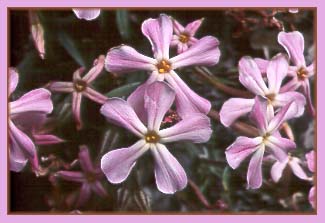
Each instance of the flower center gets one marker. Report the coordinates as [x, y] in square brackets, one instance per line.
[266, 137]
[152, 137]
[270, 98]
[80, 85]
[164, 66]
[302, 73]
[184, 38]
[90, 177]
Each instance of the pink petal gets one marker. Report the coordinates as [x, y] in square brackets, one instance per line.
[311, 69]
[59, 86]
[38, 100]
[181, 48]
[276, 71]
[159, 32]
[16, 165]
[240, 149]
[124, 59]
[158, 99]
[76, 104]
[117, 164]
[204, 52]
[84, 194]
[293, 42]
[250, 76]
[13, 79]
[287, 97]
[277, 170]
[259, 113]
[46, 139]
[291, 85]
[261, 64]
[234, 108]
[95, 95]
[310, 157]
[95, 70]
[312, 196]
[254, 173]
[73, 176]
[87, 14]
[170, 175]
[98, 188]
[192, 27]
[306, 89]
[195, 128]
[178, 28]
[279, 146]
[297, 169]
[37, 32]
[121, 113]
[187, 101]
[85, 160]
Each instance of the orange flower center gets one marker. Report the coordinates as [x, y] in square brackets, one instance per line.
[302, 73]
[164, 66]
[184, 38]
[79, 85]
[152, 137]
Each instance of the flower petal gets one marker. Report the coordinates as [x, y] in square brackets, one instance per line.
[312, 196]
[204, 52]
[277, 170]
[259, 113]
[76, 104]
[293, 42]
[121, 113]
[234, 108]
[187, 101]
[15, 164]
[46, 139]
[87, 14]
[262, 64]
[158, 99]
[195, 128]
[254, 173]
[250, 76]
[240, 149]
[95, 70]
[276, 71]
[74, 176]
[170, 175]
[38, 100]
[192, 27]
[124, 59]
[85, 160]
[95, 95]
[117, 164]
[98, 188]
[60, 86]
[297, 169]
[306, 90]
[84, 194]
[13, 79]
[287, 97]
[310, 157]
[159, 32]
[279, 147]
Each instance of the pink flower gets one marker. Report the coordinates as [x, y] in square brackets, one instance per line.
[269, 140]
[21, 147]
[250, 76]
[184, 36]
[89, 177]
[87, 14]
[81, 87]
[311, 166]
[124, 59]
[158, 98]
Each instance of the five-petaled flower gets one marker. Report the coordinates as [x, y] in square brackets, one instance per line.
[158, 98]
[183, 37]
[123, 59]
[86, 13]
[269, 140]
[90, 177]
[251, 77]
[33, 103]
[310, 157]
[81, 87]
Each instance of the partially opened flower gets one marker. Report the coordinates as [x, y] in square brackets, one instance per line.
[269, 140]
[90, 177]
[250, 76]
[158, 98]
[311, 166]
[183, 37]
[21, 147]
[80, 86]
[159, 32]
[87, 14]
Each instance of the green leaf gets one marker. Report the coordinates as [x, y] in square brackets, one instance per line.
[68, 44]
[123, 23]
[124, 90]
[226, 178]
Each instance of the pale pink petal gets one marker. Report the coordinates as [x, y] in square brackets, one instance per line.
[254, 173]
[121, 113]
[250, 76]
[59, 86]
[293, 42]
[87, 14]
[194, 128]
[291, 85]
[16, 165]
[125, 59]
[192, 27]
[204, 52]
[240, 149]
[311, 69]
[187, 101]
[297, 169]
[283, 99]
[117, 164]
[94, 95]
[76, 104]
[276, 71]
[279, 146]
[158, 99]
[307, 92]
[259, 113]
[159, 32]
[46, 139]
[312, 196]
[277, 170]
[170, 175]
[38, 100]
[310, 157]
[95, 70]
[181, 47]
[98, 188]
[85, 160]
[262, 64]
[13, 79]
[84, 194]
[178, 28]
[74, 176]
[37, 32]
[234, 108]
[175, 41]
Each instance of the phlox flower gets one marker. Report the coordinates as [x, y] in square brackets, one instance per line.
[158, 98]
[269, 140]
[310, 157]
[80, 86]
[251, 77]
[159, 32]
[87, 14]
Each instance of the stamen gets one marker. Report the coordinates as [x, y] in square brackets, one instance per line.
[164, 66]
[152, 137]
[302, 73]
[79, 85]
[184, 38]
[270, 98]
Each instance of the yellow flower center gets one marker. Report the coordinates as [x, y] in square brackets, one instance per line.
[184, 38]
[302, 73]
[270, 98]
[266, 137]
[79, 85]
[164, 66]
[152, 137]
